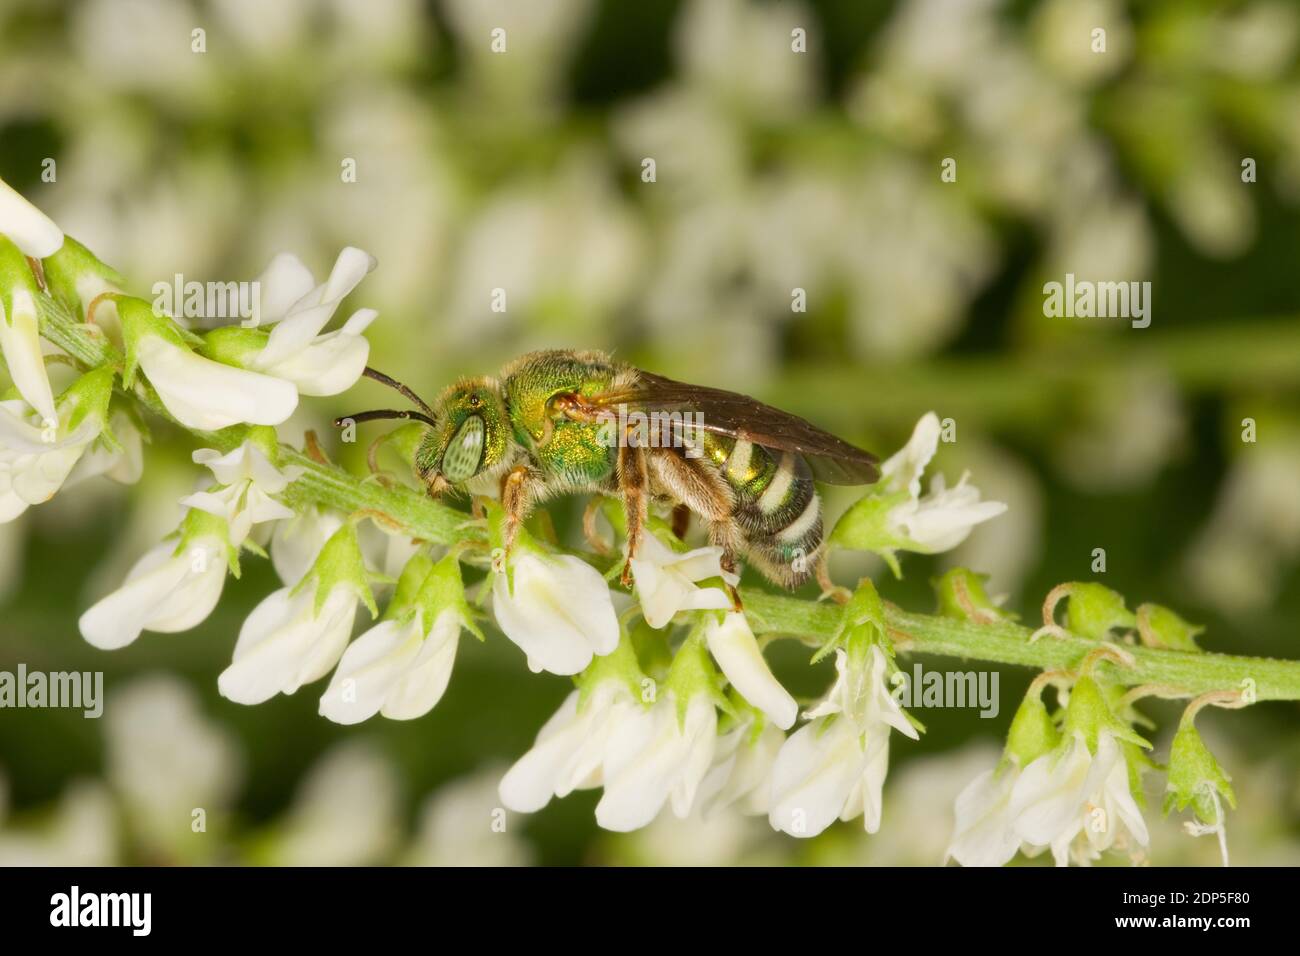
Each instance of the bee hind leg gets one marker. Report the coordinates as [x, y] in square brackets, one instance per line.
[634, 485]
[725, 535]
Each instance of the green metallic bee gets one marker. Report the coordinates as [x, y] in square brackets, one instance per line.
[565, 422]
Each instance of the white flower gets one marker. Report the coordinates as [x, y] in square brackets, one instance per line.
[124, 464]
[942, 519]
[394, 669]
[33, 469]
[665, 580]
[295, 350]
[287, 642]
[207, 395]
[296, 542]
[569, 751]
[559, 612]
[246, 479]
[655, 756]
[30, 229]
[741, 771]
[20, 341]
[1072, 791]
[172, 588]
[984, 834]
[835, 765]
[733, 646]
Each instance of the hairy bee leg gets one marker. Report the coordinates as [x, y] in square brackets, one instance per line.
[634, 485]
[681, 521]
[589, 529]
[725, 535]
[728, 564]
[516, 499]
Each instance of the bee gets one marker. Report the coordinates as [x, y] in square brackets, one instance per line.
[564, 422]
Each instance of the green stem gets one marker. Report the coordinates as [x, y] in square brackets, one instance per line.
[1008, 643]
[1001, 643]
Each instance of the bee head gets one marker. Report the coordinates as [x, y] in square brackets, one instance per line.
[466, 434]
[469, 437]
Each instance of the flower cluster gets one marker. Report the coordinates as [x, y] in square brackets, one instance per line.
[674, 704]
[229, 376]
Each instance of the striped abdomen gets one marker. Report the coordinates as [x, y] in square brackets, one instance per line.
[776, 506]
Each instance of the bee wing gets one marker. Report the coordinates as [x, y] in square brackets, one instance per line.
[832, 460]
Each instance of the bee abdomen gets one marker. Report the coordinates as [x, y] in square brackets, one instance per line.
[776, 508]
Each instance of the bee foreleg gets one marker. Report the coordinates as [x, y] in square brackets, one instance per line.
[634, 486]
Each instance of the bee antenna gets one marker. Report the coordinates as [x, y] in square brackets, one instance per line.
[393, 383]
[379, 413]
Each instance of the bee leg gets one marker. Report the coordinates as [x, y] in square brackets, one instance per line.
[681, 521]
[728, 564]
[516, 498]
[634, 485]
[724, 534]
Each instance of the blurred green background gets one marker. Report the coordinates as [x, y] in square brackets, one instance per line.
[774, 171]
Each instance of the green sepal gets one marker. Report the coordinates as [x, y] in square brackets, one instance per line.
[139, 321]
[232, 344]
[402, 604]
[443, 588]
[962, 595]
[340, 564]
[200, 524]
[88, 396]
[15, 273]
[264, 438]
[1095, 610]
[1090, 714]
[1032, 732]
[1160, 627]
[692, 672]
[1194, 775]
[1138, 762]
[70, 263]
[865, 527]
[619, 665]
[862, 623]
